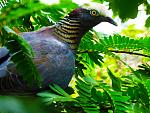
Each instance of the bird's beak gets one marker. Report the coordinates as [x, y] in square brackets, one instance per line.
[111, 21]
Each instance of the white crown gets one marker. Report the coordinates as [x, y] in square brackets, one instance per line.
[102, 9]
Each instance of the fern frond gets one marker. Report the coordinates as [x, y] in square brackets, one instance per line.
[119, 102]
[146, 42]
[14, 10]
[117, 44]
[137, 87]
[84, 90]
[61, 95]
[3, 3]
[116, 82]
[122, 43]
[147, 86]
[144, 71]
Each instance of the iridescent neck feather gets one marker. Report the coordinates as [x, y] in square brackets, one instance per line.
[69, 30]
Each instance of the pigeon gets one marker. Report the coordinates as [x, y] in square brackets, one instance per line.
[55, 48]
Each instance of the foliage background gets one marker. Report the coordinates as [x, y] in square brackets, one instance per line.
[105, 81]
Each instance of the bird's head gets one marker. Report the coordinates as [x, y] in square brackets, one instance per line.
[91, 14]
[72, 27]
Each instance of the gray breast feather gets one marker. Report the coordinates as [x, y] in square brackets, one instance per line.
[55, 61]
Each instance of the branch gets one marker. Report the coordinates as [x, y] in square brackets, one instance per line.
[115, 51]
[87, 51]
[131, 53]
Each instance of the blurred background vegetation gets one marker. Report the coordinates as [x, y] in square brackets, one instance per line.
[112, 70]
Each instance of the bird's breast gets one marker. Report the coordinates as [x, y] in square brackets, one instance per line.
[55, 61]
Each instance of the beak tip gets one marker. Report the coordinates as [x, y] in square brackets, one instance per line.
[111, 21]
[115, 24]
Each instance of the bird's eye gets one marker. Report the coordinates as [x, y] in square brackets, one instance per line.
[94, 13]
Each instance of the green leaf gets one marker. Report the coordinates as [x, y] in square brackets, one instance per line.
[49, 97]
[116, 83]
[119, 7]
[94, 56]
[14, 10]
[59, 90]
[12, 104]
[147, 22]
[90, 80]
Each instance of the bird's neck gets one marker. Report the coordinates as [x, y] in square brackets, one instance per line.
[69, 30]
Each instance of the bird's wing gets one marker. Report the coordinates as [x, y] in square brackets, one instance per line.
[9, 77]
[4, 56]
[8, 80]
[53, 59]
[4, 61]
[3, 52]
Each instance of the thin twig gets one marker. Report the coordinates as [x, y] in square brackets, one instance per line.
[131, 53]
[115, 51]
